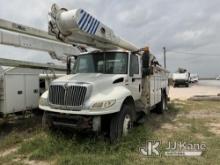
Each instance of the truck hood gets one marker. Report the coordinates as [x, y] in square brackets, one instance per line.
[91, 78]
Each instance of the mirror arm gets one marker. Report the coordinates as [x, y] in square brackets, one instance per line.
[68, 65]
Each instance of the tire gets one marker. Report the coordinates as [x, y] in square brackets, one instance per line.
[37, 112]
[121, 123]
[161, 107]
[46, 122]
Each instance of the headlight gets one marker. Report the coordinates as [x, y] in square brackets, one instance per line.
[103, 104]
[43, 101]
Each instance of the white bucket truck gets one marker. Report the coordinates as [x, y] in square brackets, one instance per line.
[106, 89]
[182, 77]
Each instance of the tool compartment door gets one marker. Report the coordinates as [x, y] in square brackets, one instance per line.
[32, 91]
[157, 89]
[152, 90]
[15, 93]
[2, 96]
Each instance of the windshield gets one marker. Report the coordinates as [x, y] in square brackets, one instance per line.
[108, 63]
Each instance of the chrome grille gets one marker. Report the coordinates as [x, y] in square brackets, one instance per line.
[71, 96]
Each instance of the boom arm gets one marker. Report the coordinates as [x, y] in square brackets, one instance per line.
[32, 65]
[25, 37]
[78, 26]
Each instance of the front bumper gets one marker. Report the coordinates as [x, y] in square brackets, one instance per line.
[115, 108]
[180, 82]
[78, 122]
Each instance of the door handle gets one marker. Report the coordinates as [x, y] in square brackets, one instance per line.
[35, 91]
[133, 79]
[20, 92]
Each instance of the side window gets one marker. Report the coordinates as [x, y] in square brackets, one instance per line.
[83, 65]
[134, 65]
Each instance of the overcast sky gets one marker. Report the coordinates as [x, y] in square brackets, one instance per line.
[190, 29]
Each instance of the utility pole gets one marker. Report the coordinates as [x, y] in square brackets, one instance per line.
[164, 57]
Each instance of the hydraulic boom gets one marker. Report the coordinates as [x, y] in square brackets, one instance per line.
[78, 26]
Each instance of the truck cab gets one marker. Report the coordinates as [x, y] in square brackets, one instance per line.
[97, 80]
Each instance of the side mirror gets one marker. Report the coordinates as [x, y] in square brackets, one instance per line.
[68, 65]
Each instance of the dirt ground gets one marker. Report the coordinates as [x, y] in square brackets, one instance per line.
[201, 88]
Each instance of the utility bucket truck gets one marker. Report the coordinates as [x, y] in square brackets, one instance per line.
[109, 88]
[181, 77]
[21, 87]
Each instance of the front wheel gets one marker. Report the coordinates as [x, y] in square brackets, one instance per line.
[46, 121]
[121, 123]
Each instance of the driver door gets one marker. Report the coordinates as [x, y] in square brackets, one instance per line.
[135, 76]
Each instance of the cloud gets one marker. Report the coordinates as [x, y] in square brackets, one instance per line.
[187, 25]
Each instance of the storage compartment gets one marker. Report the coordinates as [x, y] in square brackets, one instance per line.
[20, 93]
[32, 91]
[1, 95]
[14, 93]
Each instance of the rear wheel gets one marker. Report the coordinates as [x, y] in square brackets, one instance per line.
[121, 123]
[162, 105]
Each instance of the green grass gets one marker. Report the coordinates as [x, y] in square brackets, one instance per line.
[12, 140]
[91, 149]
[64, 148]
[14, 132]
[10, 160]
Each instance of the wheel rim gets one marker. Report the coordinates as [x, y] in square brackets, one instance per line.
[127, 124]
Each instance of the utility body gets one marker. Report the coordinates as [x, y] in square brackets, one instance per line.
[31, 82]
